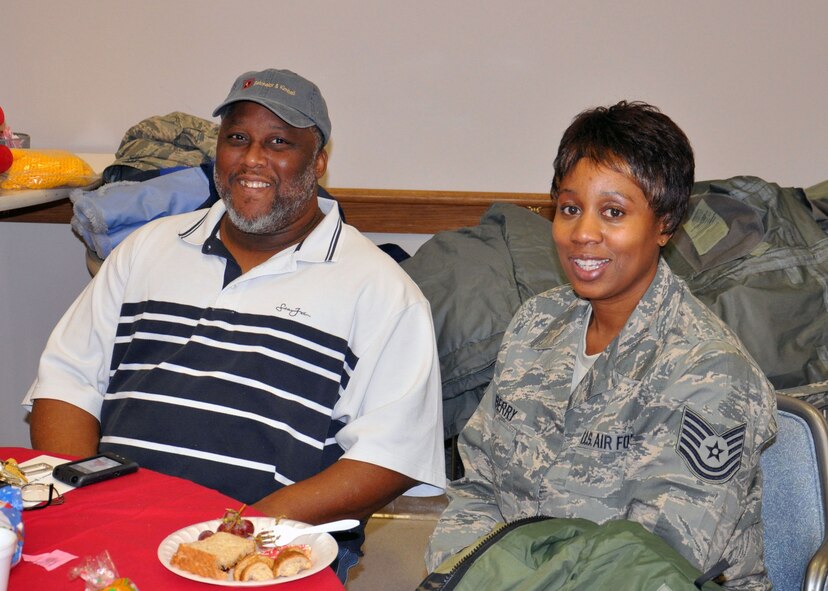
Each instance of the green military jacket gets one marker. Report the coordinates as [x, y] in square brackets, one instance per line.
[546, 554]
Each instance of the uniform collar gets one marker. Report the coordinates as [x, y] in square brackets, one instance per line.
[631, 352]
[653, 314]
[567, 325]
[321, 245]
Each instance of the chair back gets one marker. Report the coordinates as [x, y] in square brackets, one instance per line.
[794, 502]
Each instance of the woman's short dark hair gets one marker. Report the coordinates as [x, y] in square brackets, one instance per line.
[637, 140]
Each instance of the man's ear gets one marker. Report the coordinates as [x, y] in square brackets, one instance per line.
[320, 165]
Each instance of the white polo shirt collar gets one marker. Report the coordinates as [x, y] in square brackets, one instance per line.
[321, 245]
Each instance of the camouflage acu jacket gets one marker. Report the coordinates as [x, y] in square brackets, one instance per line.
[665, 429]
[164, 141]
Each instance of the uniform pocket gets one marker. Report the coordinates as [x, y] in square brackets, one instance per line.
[502, 443]
[689, 524]
[595, 473]
[517, 471]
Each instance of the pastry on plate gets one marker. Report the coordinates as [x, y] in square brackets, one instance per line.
[290, 561]
[254, 567]
[213, 556]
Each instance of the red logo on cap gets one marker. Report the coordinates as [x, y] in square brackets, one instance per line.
[248, 83]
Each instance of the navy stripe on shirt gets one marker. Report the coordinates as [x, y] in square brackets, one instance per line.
[224, 387]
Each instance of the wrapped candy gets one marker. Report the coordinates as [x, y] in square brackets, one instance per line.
[46, 169]
[100, 574]
[120, 585]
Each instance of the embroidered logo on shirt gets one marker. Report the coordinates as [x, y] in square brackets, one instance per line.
[711, 456]
[291, 311]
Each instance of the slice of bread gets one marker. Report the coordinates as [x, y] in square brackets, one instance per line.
[212, 557]
[254, 567]
[290, 561]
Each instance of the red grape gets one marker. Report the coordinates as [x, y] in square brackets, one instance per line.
[247, 528]
[233, 523]
[205, 534]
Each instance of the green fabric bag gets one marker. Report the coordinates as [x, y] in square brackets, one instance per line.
[754, 253]
[542, 553]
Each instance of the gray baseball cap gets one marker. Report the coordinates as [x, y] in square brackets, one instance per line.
[296, 100]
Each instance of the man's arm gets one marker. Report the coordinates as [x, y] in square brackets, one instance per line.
[60, 427]
[347, 489]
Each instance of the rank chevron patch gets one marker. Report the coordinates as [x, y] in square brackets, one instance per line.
[711, 456]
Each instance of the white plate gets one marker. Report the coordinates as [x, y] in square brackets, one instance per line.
[323, 551]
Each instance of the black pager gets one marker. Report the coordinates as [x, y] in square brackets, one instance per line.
[103, 466]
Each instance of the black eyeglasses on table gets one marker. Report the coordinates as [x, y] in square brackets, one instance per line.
[40, 493]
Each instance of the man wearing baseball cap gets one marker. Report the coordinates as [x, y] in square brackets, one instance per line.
[298, 102]
[260, 347]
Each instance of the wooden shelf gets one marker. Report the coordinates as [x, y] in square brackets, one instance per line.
[369, 210]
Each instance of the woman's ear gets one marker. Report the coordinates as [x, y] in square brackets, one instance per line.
[664, 236]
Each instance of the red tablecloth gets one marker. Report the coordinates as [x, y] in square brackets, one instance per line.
[128, 516]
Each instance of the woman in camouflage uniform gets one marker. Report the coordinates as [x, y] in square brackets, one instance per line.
[620, 396]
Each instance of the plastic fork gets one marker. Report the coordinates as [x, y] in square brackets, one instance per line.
[283, 534]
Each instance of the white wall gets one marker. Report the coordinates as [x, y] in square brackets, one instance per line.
[467, 95]
[434, 94]
[41, 272]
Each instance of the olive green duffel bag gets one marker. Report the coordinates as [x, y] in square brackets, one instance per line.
[542, 553]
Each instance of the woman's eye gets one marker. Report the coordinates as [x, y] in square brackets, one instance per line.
[569, 210]
[614, 212]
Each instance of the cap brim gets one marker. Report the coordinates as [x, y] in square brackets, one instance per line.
[287, 114]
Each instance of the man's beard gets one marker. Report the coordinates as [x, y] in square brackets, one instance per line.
[290, 200]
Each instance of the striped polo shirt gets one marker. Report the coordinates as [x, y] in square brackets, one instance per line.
[249, 382]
